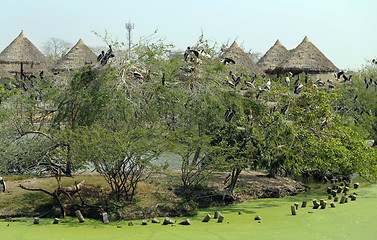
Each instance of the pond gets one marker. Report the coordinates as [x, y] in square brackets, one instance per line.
[352, 220]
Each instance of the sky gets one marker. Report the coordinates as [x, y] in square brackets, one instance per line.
[344, 30]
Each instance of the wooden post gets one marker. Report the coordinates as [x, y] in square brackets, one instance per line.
[36, 220]
[304, 203]
[105, 218]
[79, 216]
[293, 210]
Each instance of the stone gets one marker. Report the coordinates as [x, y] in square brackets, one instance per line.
[336, 199]
[316, 204]
[130, 223]
[56, 221]
[119, 225]
[36, 220]
[220, 219]
[356, 185]
[186, 222]
[216, 215]
[167, 221]
[323, 204]
[240, 213]
[332, 204]
[207, 218]
[79, 216]
[105, 218]
[293, 210]
[296, 205]
[257, 217]
[329, 197]
[144, 222]
[343, 199]
[304, 203]
[353, 197]
[154, 220]
[333, 193]
[329, 190]
[340, 189]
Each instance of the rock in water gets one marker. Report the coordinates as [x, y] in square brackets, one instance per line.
[207, 218]
[186, 222]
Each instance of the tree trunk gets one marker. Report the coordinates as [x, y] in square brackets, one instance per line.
[235, 175]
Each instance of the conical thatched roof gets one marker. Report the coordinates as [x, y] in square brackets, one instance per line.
[307, 58]
[273, 57]
[78, 56]
[21, 50]
[241, 58]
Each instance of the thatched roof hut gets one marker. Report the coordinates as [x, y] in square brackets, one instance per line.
[241, 58]
[21, 50]
[307, 58]
[273, 57]
[79, 55]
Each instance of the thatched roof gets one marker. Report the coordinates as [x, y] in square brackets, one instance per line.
[241, 58]
[273, 57]
[21, 50]
[307, 58]
[3, 72]
[78, 56]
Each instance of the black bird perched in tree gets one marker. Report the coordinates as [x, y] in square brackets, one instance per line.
[250, 118]
[297, 82]
[229, 114]
[338, 75]
[163, 79]
[109, 54]
[285, 108]
[2, 182]
[188, 51]
[298, 89]
[41, 75]
[228, 61]
[324, 123]
[374, 61]
[100, 56]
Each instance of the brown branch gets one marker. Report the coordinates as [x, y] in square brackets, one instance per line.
[36, 190]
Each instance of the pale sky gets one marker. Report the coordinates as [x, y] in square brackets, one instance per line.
[344, 30]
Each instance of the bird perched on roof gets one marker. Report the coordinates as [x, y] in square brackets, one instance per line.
[324, 123]
[2, 182]
[250, 118]
[229, 114]
[298, 89]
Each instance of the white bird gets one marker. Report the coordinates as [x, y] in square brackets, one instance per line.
[287, 81]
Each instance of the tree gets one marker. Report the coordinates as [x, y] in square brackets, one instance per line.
[55, 48]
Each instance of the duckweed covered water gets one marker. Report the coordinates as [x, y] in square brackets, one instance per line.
[353, 220]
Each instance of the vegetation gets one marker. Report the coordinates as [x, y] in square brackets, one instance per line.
[107, 119]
